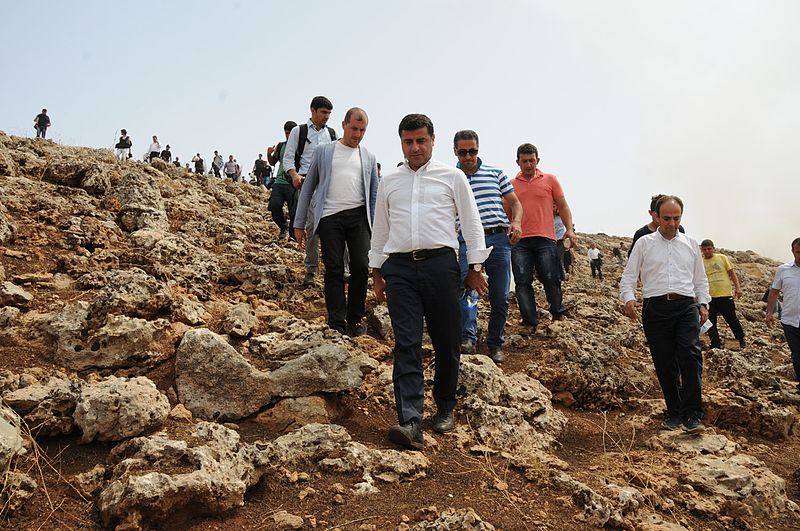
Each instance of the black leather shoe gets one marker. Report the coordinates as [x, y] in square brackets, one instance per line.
[408, 435]
[442, 423]
[309, 280]
[497, 355]
[356, 330]
[693, 425]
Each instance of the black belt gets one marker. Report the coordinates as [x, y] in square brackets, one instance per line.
[495, 230]
[671, 297]
[423, 254]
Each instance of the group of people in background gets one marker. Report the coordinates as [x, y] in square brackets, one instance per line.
[437, 238]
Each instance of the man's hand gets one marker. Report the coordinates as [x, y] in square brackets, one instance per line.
[514, 232]
[378, 286]
[300, 236]
[770, 319]
[572, 238]
[630, 310]
[737, 293]
[270, 150]
[475, 280]
[703, 314]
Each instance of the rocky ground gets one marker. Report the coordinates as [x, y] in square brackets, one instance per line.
[162, 368]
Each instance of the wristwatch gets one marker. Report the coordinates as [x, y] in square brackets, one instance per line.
[476, 267]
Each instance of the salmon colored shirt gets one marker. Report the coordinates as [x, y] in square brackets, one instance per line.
[537, 197]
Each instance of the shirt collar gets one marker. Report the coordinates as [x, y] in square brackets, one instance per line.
[537, 175]
[480, 163]
[312, 126]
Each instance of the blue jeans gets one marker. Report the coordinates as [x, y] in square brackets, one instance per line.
[41, 132]
[498, 270]
[536, 255]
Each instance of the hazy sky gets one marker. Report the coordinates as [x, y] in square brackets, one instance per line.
[623, 98]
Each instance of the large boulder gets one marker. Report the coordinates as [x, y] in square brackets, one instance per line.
[11, 442]
[214, 381]
[130, 292]
[141, 204]
[240, 320]
[118, 408]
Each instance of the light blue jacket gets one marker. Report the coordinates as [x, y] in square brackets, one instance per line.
[318, 179]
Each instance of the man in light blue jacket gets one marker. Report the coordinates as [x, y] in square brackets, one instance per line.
[344, 176]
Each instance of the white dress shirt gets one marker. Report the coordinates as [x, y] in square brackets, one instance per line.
[418, 210]
[593, 253]
[314, 139]
[665, 266]
[787, 279]
[155, 146]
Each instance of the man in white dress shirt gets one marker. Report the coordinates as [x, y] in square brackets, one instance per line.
[787, 280]
[675, 292]
[415, 269]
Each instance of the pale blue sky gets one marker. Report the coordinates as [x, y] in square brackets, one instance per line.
[623, 98]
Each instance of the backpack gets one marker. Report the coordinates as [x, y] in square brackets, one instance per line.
[303, 139]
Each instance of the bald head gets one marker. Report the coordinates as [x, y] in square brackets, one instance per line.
[354, 126]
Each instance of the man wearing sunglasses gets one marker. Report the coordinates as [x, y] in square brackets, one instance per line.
[495, 197]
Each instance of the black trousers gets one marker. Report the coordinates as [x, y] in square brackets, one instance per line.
[597, 268]
[281, 194]
[672, 329]
[725, 307]
[347, 229]
[428, 289]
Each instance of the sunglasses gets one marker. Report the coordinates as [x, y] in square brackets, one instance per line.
[465, 152]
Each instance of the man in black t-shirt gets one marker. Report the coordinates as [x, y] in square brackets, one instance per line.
[41, 123]
[652, 226]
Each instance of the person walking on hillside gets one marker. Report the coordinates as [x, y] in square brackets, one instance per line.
[595, 261]
[199, 164]
[723, 287]
[155, 149]
[216, 164]
[535, 254]
[650, 227]
[300, 146]
[261, 169]
[231, 169]
[494, 196]
[123, 146]
[166, 155]
[282, 190]
[343, 176]
[675, 292]
[787, 281]
[41, 123]
[415, 270]
[618, 253]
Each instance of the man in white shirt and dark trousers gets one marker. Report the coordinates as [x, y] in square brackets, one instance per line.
[415, 269]
[675, 292]
[787, 280]
[343, 177]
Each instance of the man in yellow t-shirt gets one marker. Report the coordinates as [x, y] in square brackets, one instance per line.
[723, 285]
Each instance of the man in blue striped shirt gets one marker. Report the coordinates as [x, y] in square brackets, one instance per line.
[497, 203]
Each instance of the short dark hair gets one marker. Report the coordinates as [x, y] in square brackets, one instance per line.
[465, 134]
[706, 243]
[795, 242]
[666, 199]
[379, 165]
[321, 102]
[412, 122]
[355, 111]
[654, 201]
[124, 132]
[288, 126]
[527, 149]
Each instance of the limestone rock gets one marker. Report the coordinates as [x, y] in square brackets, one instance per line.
[162, 481]
[8, 231]
[81, 174]
[11, 442]
[285, 520]
[18, 488]
[46, 406]
[8, 315]
[295, 412]
[118, 408]
[130, 292]
[465, 519]
[141, 204]
[324, 368]
[214, 381]
[13, 295]
[240, 320]
[187, 309]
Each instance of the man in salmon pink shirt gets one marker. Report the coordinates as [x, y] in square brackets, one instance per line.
[535, 252]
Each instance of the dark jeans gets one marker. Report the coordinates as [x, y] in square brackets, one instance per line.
[560, 250]
[725, 307]
[793, 340]
[536, 255]
[347, 229]
[153, 155]
[497, 268]
[41, 132]
[216, 171]
[596, 266]
[672, 329]
[415, 289]
[282, 194]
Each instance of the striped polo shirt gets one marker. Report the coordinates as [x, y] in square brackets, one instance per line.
[489, 185]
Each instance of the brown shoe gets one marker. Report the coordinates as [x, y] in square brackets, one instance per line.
[497, 355]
